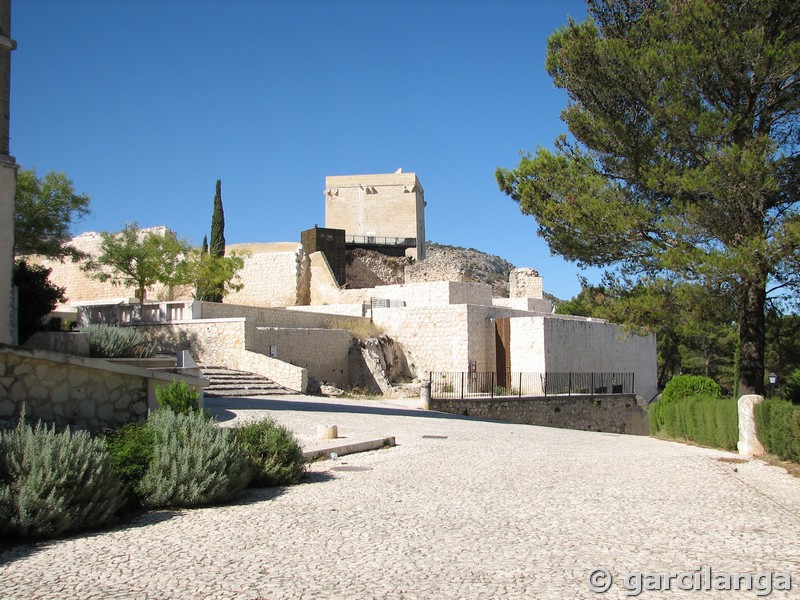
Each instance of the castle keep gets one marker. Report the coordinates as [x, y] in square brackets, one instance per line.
[378, 211]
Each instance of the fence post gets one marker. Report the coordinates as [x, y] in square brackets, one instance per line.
[520, 384]
[462, 385]
[569, 385]
[591, 392]
[492, 392]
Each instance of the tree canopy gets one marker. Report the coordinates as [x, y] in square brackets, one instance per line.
[683, 156]
[694, 330]
[139, 259]
[44, 211]
[207, 274]
[38, 296]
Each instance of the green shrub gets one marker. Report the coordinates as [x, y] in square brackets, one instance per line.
[273, 452]
[654, 417]
[108, 341]
[194, 462]
[778, 428]
[705, 420]
[131, 449]
[54, 482]
[178, 397]
[683, 386]
[680, 387]
[791, 387]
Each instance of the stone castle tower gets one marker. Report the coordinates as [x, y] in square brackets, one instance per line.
[378, 210]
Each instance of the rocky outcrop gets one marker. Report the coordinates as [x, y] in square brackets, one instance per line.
[377, 363]
[368, 268]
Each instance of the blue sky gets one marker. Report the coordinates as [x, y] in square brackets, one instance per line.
[145, 104]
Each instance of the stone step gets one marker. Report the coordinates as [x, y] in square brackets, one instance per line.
[229, 383]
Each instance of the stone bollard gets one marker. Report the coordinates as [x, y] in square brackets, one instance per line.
[748, 440]
[327, 432]
[425, 395]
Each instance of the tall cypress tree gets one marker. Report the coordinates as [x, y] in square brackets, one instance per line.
[204, 247]
[217, 246]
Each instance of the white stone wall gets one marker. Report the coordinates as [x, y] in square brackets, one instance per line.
[436, 293]
[573, 345]
[282, 373]
[324, 353]
[80, 287]
[276, 317]
[226, 343]
[535, 305]
[385, 205]
[273, 274]
[433, 338]
[8, 186]
[525, 283]
[358, 309]
[527, 345]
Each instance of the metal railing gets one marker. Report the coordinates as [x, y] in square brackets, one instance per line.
[465, 384]
[372, 240]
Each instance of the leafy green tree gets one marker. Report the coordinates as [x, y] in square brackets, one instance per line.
[208, 273]
[38, 297]
[694, 331]
[139, 259]
[44, 211]
[684, 151]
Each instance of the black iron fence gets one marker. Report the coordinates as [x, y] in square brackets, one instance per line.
[464, 384]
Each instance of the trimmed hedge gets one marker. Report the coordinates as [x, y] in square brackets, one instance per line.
[705, 420]
[791, 387]
[778, 428]
[681, 387]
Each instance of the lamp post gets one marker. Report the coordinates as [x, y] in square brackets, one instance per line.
[773, 379]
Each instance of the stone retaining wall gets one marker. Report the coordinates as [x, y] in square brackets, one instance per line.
[88, 393]
[233, 343]
[617, 413]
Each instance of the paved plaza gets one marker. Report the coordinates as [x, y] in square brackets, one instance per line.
[460, 508]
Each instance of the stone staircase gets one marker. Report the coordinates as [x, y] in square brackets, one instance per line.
[227, 383]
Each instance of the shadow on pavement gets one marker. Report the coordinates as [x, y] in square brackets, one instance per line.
[21, 549]
[221, 408]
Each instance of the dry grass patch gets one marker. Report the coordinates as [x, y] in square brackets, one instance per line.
[362, 329]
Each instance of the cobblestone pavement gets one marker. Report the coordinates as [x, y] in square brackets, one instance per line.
[459, 509]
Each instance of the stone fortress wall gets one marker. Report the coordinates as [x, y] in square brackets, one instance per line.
[282, 321]
[81, 287]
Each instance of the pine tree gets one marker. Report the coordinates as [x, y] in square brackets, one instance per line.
[205, 244]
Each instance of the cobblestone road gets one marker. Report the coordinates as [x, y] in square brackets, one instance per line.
[459, 509]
